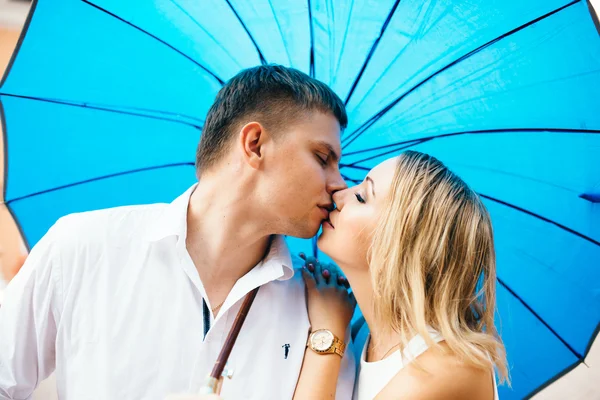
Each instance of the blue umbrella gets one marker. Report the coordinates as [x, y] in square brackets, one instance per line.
[104, 101]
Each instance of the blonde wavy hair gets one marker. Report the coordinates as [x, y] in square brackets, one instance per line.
[433, 263]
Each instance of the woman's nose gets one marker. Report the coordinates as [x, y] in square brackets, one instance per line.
[339, 197]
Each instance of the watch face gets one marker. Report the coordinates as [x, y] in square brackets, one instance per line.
[322, 340]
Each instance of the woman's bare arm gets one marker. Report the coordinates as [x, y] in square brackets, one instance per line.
[329, 307]
[318, 377]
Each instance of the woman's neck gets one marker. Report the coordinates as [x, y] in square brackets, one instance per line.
[382, 338]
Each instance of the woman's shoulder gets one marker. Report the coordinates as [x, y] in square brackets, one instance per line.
[438, 373]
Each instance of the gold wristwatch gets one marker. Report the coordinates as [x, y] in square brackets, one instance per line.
[322, 341]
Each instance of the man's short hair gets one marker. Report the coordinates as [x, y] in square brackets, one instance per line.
[273, 95]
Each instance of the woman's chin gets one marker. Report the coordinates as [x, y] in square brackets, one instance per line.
[322, 243]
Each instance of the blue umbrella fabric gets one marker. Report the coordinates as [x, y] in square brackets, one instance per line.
[104, 101]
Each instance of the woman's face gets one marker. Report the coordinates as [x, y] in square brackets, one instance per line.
[347, 236]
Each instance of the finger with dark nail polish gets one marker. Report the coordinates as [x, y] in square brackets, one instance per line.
[341, 281]
[302, 256]
[326, 274]
[311, 267]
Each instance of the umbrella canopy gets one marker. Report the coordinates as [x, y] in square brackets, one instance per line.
[104, 101]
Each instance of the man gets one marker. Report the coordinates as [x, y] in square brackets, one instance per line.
[136, 302]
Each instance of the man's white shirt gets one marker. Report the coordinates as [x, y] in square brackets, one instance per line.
[113, 301]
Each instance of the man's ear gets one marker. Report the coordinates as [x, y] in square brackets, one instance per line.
[252, 138]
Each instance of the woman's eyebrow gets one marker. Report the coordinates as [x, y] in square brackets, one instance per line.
[368, 179]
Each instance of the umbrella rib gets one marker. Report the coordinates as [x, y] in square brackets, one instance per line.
[384, 153]
[591, 197]
[108, 109]
[4, 151]
[263, 61]
[512, 130]
[199, 25]
[371, 52]
[215, 76]
[311, 67]
[280, 32]
[351, 166]
[387, 146]
[418, 141]
[532, 214]
[347, 178]
[539, 318]
[343, 47]
[555, 378]
[367, 124]
[99, 178]
[331, 36]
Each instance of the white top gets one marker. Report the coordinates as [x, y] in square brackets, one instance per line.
[2, 287]
[113, 301]
[374, 376]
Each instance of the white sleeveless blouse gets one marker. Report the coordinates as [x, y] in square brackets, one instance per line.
[374, 376]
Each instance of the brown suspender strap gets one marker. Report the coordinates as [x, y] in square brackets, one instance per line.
[233, 334]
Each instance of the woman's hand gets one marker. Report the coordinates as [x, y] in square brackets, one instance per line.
[330, 306]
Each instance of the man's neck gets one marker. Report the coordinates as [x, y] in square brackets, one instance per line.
[224, 239]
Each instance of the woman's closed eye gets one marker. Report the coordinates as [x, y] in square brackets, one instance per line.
[359, 198]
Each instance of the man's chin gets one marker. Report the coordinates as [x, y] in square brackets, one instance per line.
[303, 230]
[312, 233]
[302, 234]
[308, 233]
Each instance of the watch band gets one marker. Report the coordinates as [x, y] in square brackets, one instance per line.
[338, 346]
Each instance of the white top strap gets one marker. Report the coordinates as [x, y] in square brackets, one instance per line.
[417, 346]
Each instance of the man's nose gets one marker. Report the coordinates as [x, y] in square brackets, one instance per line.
[336, 183]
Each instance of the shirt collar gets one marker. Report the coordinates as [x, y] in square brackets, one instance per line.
[173, 222]
[279, 259]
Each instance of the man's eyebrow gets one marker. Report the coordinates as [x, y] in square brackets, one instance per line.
[334, 155]
[368, 178]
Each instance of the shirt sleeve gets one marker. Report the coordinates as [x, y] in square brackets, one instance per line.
[345, 383]
[28, 320]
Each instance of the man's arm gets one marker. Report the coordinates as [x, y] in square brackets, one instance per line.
[28, 320]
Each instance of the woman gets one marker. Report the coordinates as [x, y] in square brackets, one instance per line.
[416, 244]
